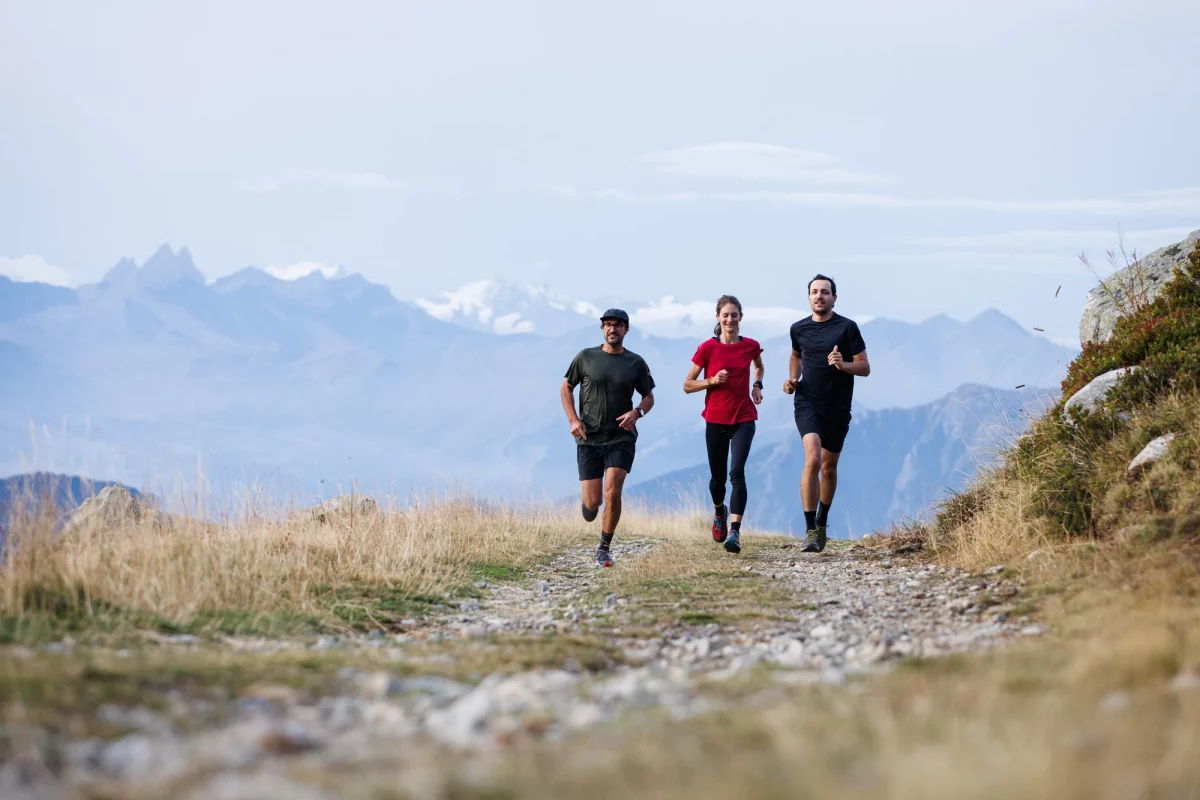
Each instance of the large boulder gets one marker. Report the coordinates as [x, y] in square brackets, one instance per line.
[1091, 396]
[1107, 302]
[113, 508]
[345, 507]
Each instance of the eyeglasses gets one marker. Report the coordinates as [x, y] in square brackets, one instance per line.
[608, 323]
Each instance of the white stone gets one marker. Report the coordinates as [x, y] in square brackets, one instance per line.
[792, 656]
[1152, 452]
[1186, 681]
[1091, 396]
[585, 715]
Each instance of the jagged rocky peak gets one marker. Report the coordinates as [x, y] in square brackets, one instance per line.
[165, 268]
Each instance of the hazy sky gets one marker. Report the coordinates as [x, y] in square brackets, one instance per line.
[933, 155]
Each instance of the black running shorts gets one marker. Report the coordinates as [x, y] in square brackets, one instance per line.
[830, 424]
[594, 459]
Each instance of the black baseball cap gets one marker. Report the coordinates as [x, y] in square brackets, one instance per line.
[615, 313]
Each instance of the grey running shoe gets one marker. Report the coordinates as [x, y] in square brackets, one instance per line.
[603, 557]
[589, 514]
[814, 541]
[733, 542]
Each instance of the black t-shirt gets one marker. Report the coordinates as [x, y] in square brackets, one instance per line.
[821, 384]
[606, 382]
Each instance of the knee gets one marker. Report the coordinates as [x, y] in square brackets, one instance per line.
[813, 463]
[828, 470]
[737, 476]
[612, 493]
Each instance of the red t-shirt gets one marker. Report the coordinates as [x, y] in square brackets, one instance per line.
[728, 403]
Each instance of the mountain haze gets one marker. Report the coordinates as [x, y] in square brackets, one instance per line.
[304, 385]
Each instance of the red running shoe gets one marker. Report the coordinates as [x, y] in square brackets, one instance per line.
[720, 527]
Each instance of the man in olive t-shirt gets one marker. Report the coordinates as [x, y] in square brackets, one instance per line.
[605, 429]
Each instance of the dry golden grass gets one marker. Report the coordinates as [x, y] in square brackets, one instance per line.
[291, 562]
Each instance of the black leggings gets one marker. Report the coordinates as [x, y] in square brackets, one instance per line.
[720, 440]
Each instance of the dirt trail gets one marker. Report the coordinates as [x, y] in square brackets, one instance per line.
[852, 611]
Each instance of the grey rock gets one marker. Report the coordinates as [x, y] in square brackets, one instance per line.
[139, 756]
[1154, 451]
[463, 723]
[1101, 311]
[468, 606]
[792, 655]
[113, 508]
[610, 602]
[345, 508]
[1091, 396]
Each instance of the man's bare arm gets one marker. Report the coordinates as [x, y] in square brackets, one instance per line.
[859, 367]
[567, 393]
[794, 369]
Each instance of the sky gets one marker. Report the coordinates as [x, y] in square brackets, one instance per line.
[934, 156]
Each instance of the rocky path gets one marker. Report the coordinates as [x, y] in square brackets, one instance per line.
[854, 611]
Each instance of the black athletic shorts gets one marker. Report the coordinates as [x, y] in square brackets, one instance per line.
[830, 424]
[594, 459]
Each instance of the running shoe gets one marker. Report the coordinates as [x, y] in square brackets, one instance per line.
[733, 544]
[589, 514]
[814, 541]
[720, 527]
[603, 557]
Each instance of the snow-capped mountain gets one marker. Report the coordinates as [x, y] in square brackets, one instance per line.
[507, 307]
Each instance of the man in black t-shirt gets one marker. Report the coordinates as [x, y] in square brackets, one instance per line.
[827, 353]
[605, 428]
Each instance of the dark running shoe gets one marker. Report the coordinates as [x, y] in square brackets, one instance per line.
[733, 544]
[603, 557]
[814, 542]
[720, 527]
[589, 514]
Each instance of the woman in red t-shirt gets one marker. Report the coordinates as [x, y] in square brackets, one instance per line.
[729, 411]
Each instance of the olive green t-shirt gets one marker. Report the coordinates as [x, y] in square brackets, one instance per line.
[606, 383]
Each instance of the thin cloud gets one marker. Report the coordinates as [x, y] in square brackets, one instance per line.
[1173, 202]
[34, 269]
[1050, 237]
[1011, 262]
[292, 178]
[755, 161]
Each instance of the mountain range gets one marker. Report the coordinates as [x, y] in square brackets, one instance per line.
[896, 463]
[156, 377]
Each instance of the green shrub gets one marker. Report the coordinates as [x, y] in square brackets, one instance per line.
[1074, 464]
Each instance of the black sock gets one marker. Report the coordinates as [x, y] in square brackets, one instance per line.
[735, 526]
[810, 520]
[823, 514]
[719, 511]
[605, 540]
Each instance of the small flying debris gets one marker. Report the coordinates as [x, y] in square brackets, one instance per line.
[1019, 386]
[1042, 330]
[1059, 289]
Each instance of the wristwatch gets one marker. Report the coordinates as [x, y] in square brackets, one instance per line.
[640, 413]
[758, 385]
